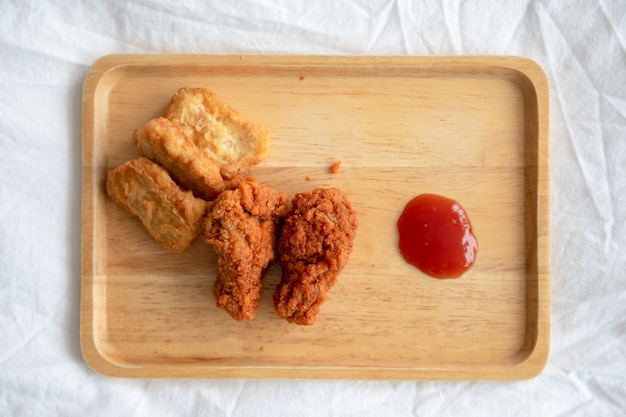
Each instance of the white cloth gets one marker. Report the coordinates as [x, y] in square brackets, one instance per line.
[46, 48]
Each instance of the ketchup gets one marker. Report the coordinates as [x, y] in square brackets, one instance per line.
[436, 236]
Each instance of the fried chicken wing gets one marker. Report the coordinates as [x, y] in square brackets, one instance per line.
[236, 144]
[164, 142]
[242, 226]
[144, 189]
[314, 246]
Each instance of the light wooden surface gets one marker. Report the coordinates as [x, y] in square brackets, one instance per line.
[471, 128]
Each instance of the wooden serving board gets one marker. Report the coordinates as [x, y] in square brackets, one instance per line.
[471, 128]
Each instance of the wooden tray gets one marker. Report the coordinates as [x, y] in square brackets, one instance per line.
[471, 128]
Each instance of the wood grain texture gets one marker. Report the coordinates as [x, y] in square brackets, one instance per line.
[471, 128]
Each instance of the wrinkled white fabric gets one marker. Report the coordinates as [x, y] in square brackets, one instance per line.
[46, 48]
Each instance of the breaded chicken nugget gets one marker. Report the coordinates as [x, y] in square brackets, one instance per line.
[242, 225]
[236, 144]
[314, 246]
[164, 142]
[144, 189]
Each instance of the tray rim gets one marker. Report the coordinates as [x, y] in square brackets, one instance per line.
[529, 367]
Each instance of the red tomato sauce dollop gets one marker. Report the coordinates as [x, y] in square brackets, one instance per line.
[436, 236]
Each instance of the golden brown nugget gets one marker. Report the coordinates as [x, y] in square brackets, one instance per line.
[235, 144]
[242, 225]
[164, 142]
[144, 189]
[314, 246]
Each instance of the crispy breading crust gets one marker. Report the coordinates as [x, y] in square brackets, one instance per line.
[144, 189]
[242, 226]
[314, 246]
[235, 144]
[164, 142]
